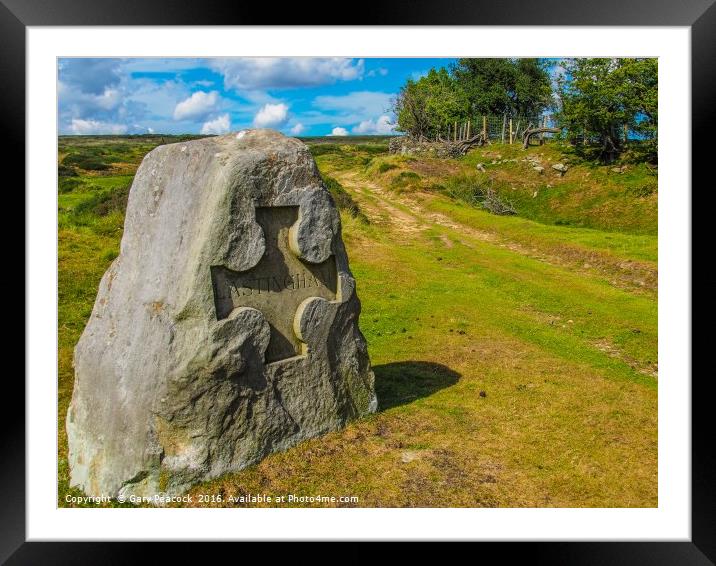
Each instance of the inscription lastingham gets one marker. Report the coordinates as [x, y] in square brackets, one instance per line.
[277, 285]
[274, 284]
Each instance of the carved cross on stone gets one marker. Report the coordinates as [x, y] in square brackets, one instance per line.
[277, 284]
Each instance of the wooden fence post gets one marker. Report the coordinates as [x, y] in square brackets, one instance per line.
[468, 130]
[484, 127]
[510, 131]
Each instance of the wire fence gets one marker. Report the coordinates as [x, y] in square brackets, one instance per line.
[502, 129]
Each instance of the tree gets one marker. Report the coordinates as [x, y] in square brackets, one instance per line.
[431, 105]
[514, 87]
[641, 86]
[600, 98]
[533, 87]
[428, 106]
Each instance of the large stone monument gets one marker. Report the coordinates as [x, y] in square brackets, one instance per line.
[227, 327]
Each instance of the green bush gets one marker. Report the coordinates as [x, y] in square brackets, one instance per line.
[468, 188]
[405, 179]
[104, 203]
[65, 171]
[325, 148]
[68, 184]
[86, 162]
[477, 191]
[384, 167]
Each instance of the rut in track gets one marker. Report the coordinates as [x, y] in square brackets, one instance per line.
[405, 215]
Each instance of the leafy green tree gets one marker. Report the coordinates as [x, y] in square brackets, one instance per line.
[533, 87]
[603, 98]
[514, 87]
[427, 106]
[641, 86]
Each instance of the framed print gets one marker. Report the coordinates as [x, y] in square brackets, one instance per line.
[422, 277]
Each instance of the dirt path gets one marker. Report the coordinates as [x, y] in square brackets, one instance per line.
[407, 215]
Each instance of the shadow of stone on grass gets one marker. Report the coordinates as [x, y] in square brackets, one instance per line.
[400, 383]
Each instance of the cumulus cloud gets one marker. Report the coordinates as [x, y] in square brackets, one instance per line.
[89, 75]
[271, 116]
[71, 96]
[255, 73]
[381, 126]
[219, 125]
[106, 95]
[197, 106]
[367, 103]
[107, 91]
[87, 127]
[109, 99]
[338, 132]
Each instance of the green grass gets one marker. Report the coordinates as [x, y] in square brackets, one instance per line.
[343, 200]
[405, 179]
[589, 195]
[627, 246]
[515, 360]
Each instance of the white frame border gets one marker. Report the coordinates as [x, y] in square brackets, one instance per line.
[670, 521]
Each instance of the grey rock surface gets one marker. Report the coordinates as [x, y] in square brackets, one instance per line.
[227, 327]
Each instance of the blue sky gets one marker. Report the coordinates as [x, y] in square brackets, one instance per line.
[298, 96]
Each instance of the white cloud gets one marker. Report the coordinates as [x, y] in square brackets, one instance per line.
[109, 99]
[219, 125]
[366, 103]
[197, 106]
[381, 126]
[86, 127]
[297, 129]
[271, 116]
[382, 71]
[338, 132]
[71, 95]
[255, 73]
[90, 75]
[169, 65]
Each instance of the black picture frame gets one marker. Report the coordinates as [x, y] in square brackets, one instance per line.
[699, 15]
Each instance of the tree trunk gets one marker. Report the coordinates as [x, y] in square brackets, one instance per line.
[534, 131]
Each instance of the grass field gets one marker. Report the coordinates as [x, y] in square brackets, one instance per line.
[515, 356]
